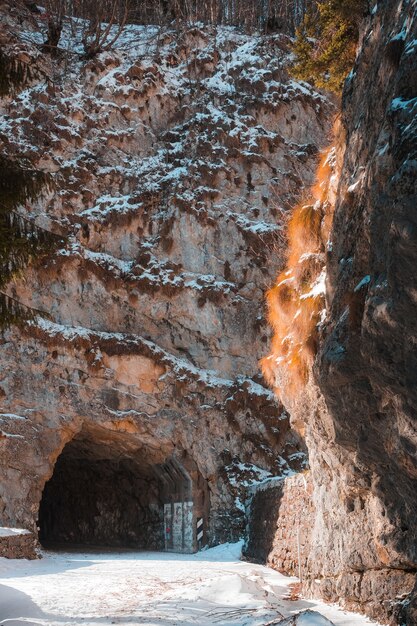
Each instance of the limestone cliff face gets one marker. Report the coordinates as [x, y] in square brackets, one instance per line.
[359, 405]
[172, 161]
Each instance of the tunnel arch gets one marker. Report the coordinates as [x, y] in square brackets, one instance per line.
[109, 488]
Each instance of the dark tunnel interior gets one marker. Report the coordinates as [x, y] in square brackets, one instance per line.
[102, 502]
[108, 489]
[94, 501]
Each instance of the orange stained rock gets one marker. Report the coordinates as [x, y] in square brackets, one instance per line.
[296, 300]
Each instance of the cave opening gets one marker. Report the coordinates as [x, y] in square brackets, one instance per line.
[112, 491]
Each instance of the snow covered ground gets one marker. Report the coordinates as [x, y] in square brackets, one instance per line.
[152, 588]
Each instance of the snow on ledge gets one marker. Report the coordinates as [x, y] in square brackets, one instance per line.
[13, 532]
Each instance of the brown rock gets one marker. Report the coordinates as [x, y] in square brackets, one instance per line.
[143, 387]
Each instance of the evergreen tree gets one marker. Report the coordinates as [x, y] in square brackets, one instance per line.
[325, 45]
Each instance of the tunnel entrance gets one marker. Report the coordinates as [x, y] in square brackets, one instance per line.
[119, 494]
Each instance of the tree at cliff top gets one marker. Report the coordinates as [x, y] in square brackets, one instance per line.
[101, 24]
[325, 45]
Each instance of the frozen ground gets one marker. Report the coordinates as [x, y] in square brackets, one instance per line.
[212, 587]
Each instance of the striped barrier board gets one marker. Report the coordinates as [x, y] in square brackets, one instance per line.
[200, 531]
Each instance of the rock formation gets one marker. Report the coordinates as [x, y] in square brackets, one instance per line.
[129, 374]
[358, 408]
[365, 366]
[171, 163]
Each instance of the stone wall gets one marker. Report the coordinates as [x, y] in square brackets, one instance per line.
[280, 518]
[16, 543]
